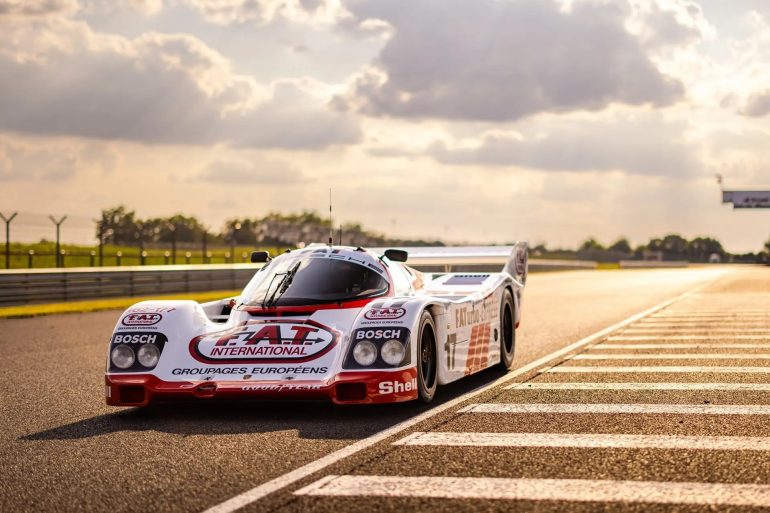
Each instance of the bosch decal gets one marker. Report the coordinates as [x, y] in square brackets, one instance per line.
[274, 341]
[381, 334]
[141, 319]
[378, 314]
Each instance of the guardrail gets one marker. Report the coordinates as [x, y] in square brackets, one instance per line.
[652, 264]
[23, 286]
[45, 285]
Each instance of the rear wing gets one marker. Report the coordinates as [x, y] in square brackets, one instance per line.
[513, 259]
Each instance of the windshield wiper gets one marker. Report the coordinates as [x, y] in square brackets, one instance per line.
[282, 287]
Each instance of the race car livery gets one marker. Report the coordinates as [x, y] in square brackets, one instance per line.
[324, 322]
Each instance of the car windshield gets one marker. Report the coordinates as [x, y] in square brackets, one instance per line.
[313, 279]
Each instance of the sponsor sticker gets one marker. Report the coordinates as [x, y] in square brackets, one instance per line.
[282, 387]
[380, 334]
[274, 341]
[397, 387]
[378, 314]
[141, 319]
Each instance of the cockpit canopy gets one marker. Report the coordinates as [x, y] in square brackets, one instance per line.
[316, 276]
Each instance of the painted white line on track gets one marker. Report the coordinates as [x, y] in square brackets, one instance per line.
[746, 387]
[660, 369]
[239, 501]
[693, 331]
[575, 490]
[673, 409]
[703, 325]
[682, 346]
[669, 356]
[686, 337]
[589, 441]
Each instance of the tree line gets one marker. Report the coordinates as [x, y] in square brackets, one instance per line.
[670, 247]
[121, 226]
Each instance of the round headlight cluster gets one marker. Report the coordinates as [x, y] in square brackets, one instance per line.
[123, 357]
[392, 352]
[148, 355]
[365, 353]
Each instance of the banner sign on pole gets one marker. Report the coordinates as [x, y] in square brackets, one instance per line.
[747, 199]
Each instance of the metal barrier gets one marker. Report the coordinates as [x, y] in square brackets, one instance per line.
[23, 286]
[45, 285]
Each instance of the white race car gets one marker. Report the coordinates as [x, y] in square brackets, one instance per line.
[328, 322]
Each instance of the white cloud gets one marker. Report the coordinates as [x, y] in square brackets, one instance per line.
[25, 162]
[758, 105]
[644, 145]
[225, 12]
[499, 61]
[156, 89]
[254, 172]
[37, 7]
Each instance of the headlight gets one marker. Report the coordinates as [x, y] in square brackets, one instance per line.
[392, 352]
[365, 353]
[148, 355]
[122, 357]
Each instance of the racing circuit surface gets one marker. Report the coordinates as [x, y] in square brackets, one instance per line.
[657, 377]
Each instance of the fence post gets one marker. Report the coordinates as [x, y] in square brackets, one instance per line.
[30, 256]
[58, 230]
[118, 256]
[142, 257]
[61, 256]
[187, 257]
[92, 258]
[8, 238]
[165, 257]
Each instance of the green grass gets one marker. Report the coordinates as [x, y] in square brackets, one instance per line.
[95, 305]
[81, 256]
[607, 266]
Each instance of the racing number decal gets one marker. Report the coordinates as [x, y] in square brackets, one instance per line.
[451, 347]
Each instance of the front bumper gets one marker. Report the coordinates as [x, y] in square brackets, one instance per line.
[345, 388]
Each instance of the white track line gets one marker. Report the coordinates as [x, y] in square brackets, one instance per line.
[670, 409]
[660, 369]
[587, 441]
[669, 356]
[647, 331]
[258, 492]
[670, 345]
[619, 338]
[575, 490]
[701, 325]
[698, 387]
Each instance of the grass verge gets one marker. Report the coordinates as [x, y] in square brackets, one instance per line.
[94, 305]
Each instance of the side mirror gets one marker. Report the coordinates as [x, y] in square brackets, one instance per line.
[260, 257]
[396, 255]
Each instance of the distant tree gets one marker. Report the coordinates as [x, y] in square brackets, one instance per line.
[591, 244]
[117, 225]
[700, 249]
[621, 246]
[673, 246]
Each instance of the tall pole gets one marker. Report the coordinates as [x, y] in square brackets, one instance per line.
[58, 239]
[331, 225]
[101, 242]
[8, 238]
[205, 245]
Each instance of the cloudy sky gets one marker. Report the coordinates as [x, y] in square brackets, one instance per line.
[469, 120]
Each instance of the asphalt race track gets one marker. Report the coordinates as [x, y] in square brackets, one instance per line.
[642, 391]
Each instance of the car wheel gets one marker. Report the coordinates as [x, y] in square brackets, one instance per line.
[427, 358]
[507, 330]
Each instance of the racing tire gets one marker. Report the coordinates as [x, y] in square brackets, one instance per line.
[427, 359]
[507, 330]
